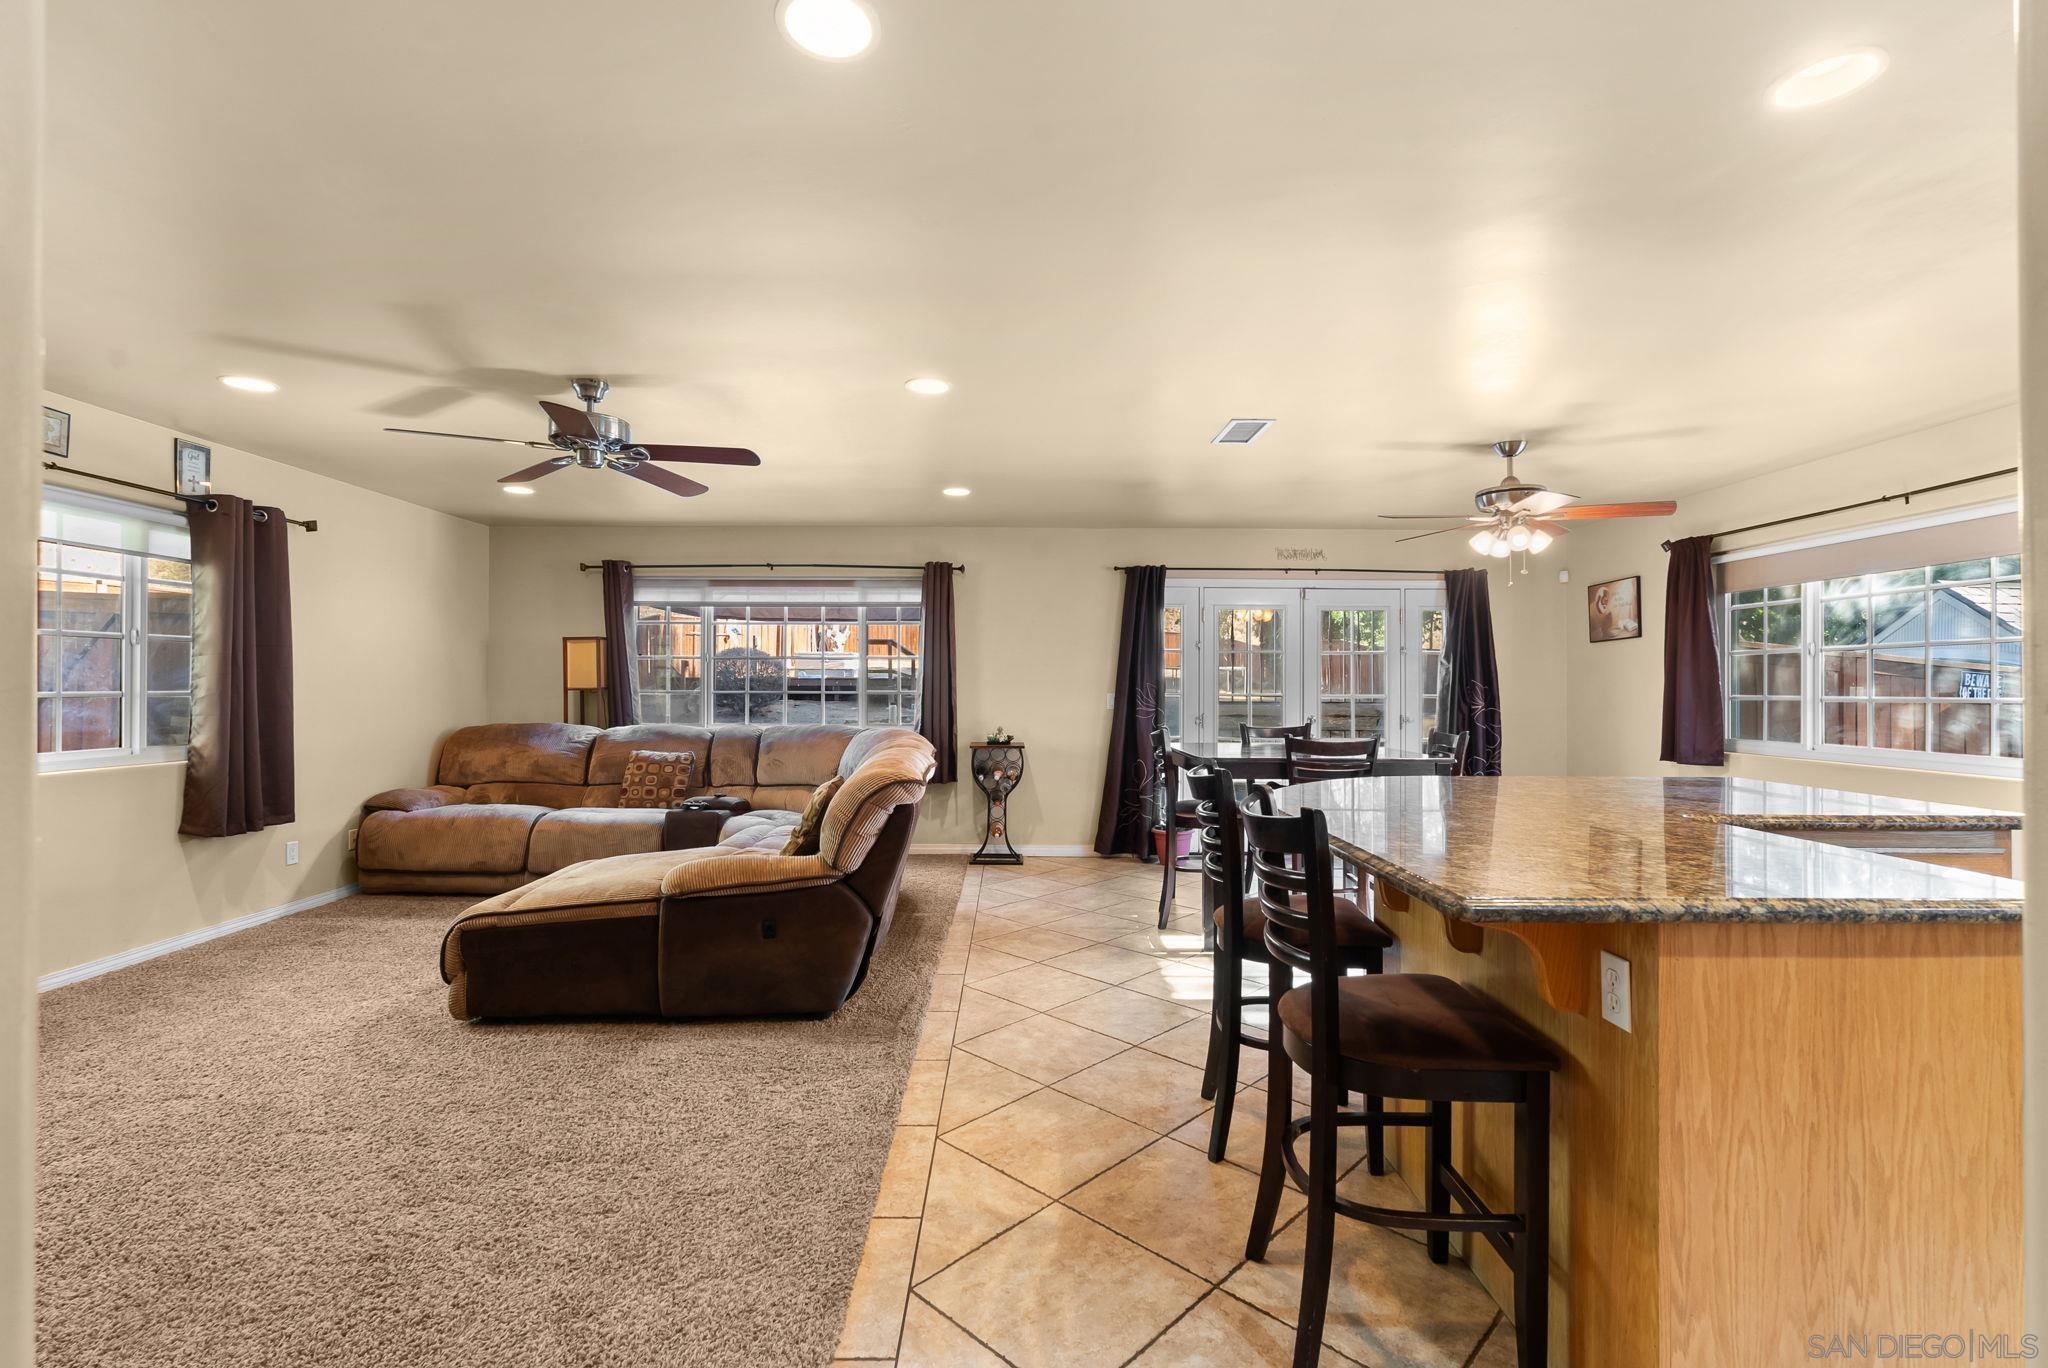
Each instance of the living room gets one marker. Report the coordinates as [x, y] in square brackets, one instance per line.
[1176, 345]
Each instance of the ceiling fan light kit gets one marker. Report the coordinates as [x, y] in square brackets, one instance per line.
[1516, 516]
[600, 441]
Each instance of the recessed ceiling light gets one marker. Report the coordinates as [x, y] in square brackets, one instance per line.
[956, 491]
[251, 383]
[1830, 78]
[926, 384]
[835, 30]
[517, 489]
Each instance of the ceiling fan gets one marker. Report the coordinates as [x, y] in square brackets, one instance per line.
[1515, 515]
[598, 441]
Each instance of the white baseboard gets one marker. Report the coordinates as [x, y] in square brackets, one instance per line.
[78, 973]
[1044, 851]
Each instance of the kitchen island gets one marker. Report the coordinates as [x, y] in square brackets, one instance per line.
[1809, 1124]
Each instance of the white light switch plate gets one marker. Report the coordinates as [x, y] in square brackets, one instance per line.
[352, 837]
[1614, 993]
[291, 852]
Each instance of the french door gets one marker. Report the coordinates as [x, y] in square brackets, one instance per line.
[1356, 661]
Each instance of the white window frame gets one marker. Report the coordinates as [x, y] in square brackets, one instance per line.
[135, 691]
[708, 596]
[1299, 598]
[1809, 747]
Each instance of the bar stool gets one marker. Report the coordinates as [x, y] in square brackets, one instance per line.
[1171, 815]
[1410, 1036]
[1242, 930]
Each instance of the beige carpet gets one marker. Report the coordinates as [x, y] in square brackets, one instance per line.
[280, 1149]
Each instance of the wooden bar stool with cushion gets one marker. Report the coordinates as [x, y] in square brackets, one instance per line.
[1171, 815]
[1410, 1036]
[1241, 939]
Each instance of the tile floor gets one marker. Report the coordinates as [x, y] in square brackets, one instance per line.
[1048, 1199]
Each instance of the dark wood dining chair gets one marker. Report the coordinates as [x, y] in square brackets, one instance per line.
[1452, 744]
[1416, 1037]
[1241, 940]
[1247, 733]
[1395, 766]
[1310, 759]
[1171, 815]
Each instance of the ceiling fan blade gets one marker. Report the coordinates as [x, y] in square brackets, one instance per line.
[1553, 528]
[1542, 503]
[472, 437]
[701, 455]
[1436, 533]
[1661, 509]
[570, 422]
[1433, 517]
[535, 472]
[663, 479]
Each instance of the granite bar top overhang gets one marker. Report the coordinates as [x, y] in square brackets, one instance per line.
[1651, 850]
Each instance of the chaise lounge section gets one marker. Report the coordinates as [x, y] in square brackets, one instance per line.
[735, 929]
[512, 802]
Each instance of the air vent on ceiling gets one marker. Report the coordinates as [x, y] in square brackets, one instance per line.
[1238, 431]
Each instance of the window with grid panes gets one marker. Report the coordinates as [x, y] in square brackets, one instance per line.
[1905, 663]
[113, 632]
[842, 652]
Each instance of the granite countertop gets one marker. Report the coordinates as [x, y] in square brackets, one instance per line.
[1650, 850]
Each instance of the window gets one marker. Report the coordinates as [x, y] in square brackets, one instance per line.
[113, 632]
[1918, 666]
[844, 652]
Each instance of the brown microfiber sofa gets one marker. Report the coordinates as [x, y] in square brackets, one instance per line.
[727, 930]
[513, 801]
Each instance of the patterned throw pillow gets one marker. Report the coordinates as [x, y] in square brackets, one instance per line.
[657, 779]
[803, 840]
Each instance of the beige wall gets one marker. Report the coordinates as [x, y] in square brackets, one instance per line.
[1038, 613]
[21, 104]
[390, 605]
[1615, 689]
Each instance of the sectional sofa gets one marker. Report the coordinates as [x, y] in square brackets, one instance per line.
[514, 801]
[726, 928]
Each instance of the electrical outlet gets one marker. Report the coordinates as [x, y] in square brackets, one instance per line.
[291, 852]
[352, 837]
[1614, 994]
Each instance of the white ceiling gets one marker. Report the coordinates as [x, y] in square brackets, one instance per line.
[1112, 226]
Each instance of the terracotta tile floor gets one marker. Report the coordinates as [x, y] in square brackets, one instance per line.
[1048, 1199]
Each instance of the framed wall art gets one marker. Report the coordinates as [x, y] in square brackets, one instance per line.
[1614, 610]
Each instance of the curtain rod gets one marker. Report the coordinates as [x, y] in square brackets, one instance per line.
[212, 505]
[1287, 570]
[1907, 496]
[764, 565]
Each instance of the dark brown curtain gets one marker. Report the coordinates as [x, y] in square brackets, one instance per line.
[621, 694]
[1125, 824]
[239, 768]
[1468, 697]
[937, 712]
[1692, 659]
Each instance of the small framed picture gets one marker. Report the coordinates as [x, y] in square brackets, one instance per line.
[1614, 610]
[191, 467]
[56, 432]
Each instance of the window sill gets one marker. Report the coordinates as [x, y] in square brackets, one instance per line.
[1984, 767]
[75, 761]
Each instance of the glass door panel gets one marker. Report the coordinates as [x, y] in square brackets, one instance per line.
[1353, 664]
[1425, 616]
[1251, 676]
